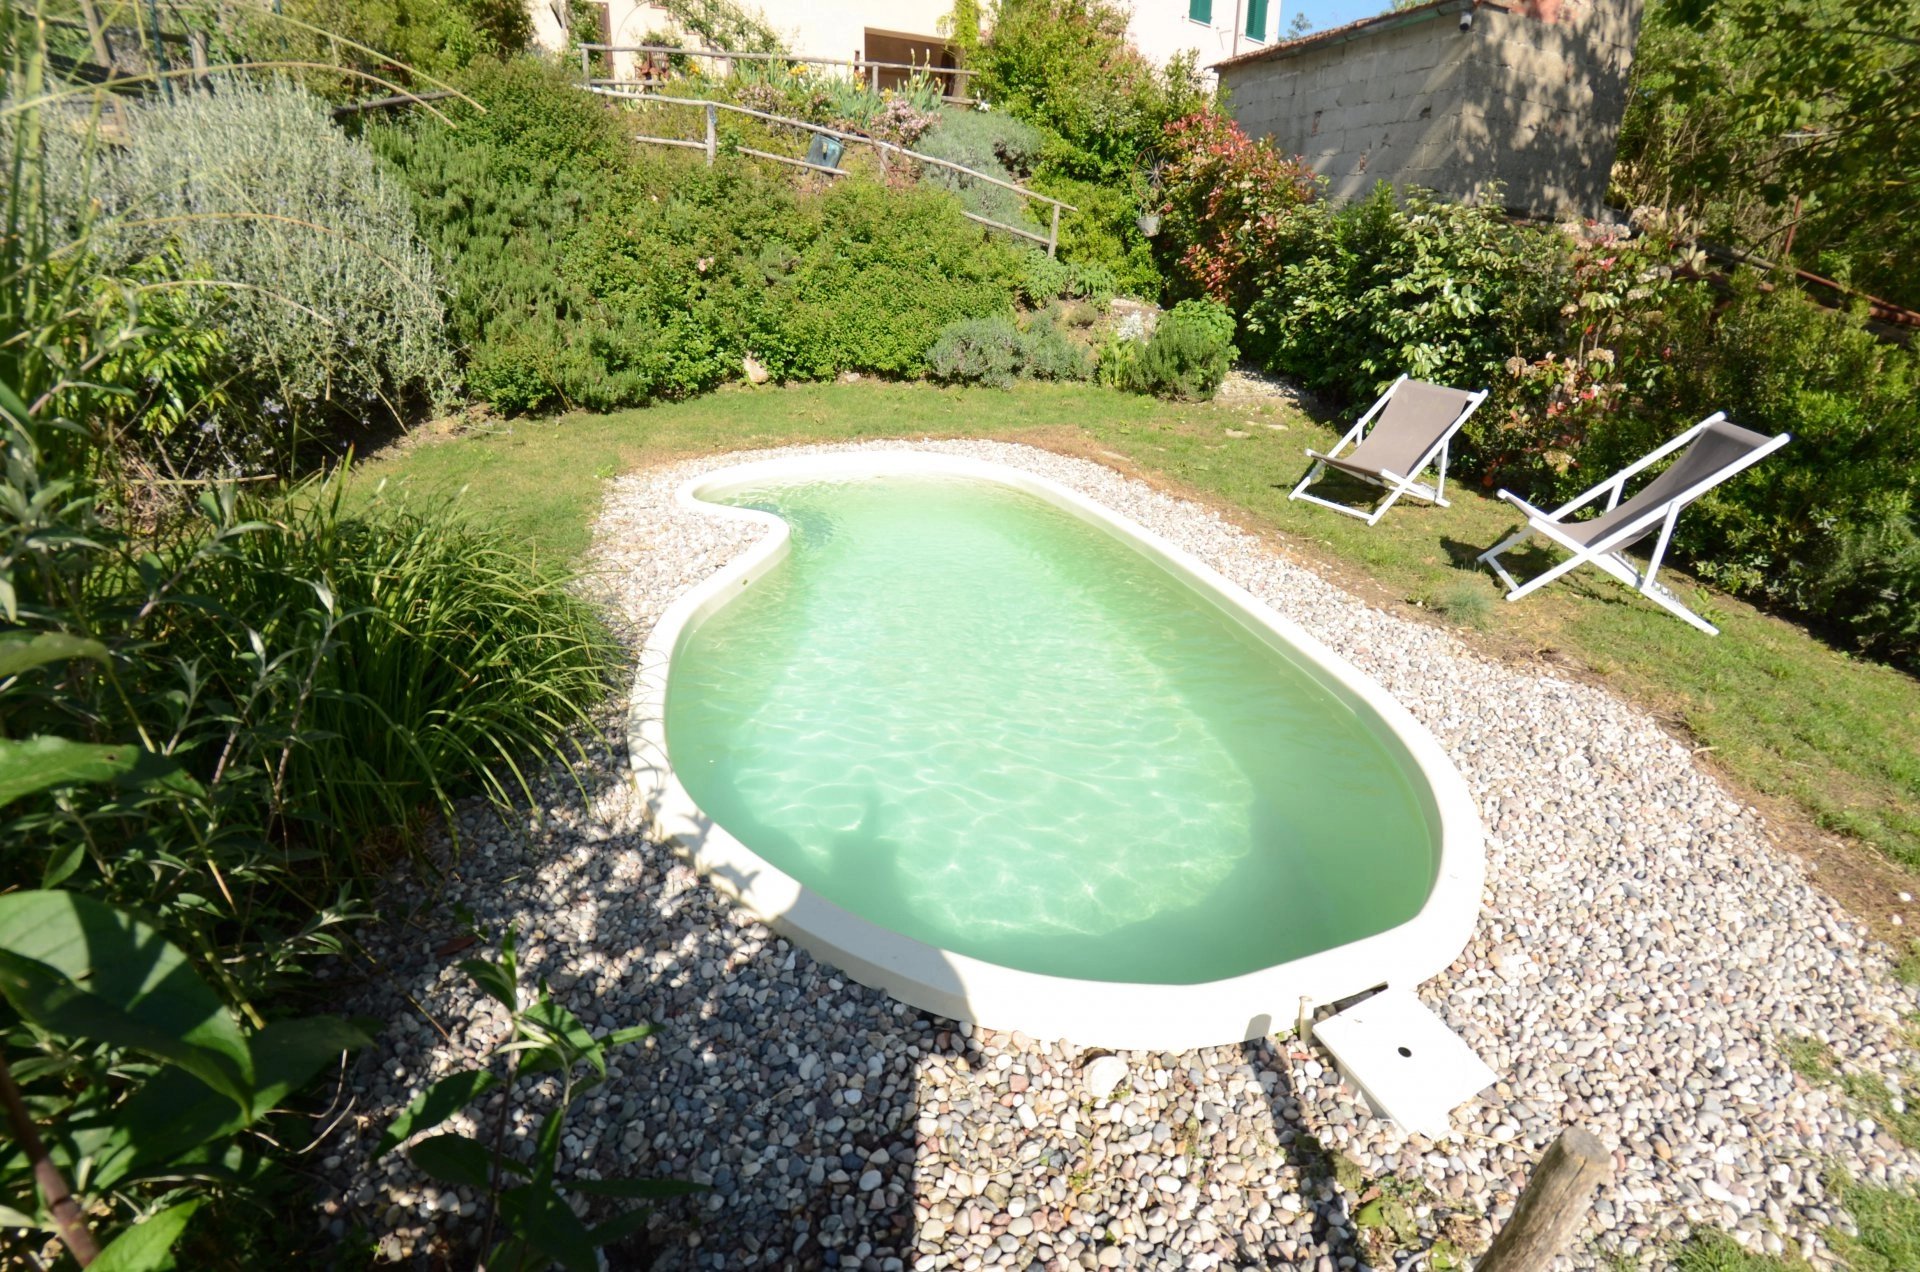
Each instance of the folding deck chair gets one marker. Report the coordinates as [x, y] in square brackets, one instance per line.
[1715, 451]
[1416, 423]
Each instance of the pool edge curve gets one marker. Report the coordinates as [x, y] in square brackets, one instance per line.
[1112, 1014]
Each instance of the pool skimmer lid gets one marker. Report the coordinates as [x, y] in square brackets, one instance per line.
[1411, 1067]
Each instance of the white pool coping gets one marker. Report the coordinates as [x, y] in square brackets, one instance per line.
[1111, 1014]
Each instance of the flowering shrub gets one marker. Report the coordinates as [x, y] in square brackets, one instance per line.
[1613, 345]
[901, 120]
[1227, 201]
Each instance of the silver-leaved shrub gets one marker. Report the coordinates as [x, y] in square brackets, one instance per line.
[285, 241]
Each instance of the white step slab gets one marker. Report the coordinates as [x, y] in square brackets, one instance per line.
[1409, 1065]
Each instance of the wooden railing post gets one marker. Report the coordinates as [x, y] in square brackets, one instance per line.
[1053, 233]
[586, 67]
[713, 132]
[1553, 1206]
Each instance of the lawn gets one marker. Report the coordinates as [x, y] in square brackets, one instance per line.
[1818, 738]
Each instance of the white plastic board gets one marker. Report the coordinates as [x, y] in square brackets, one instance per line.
[1409, 1065]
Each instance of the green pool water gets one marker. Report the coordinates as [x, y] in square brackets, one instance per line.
[964, 713]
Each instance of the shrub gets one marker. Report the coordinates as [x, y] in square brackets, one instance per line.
[986, 351]
[1079, 314]
[284, 237]
[595, 277]
[501, 198]
[1041, 277]
[986, 140]
[433, 37]
[1189, 355]
[1442, 291]
[1090, 282]
[901, 120]
[867, 280]
[990, 142]
[995, 351]
[1050, 355]
[1226, 206]
[1598, 355]
[1827, 529]
[1102, 234]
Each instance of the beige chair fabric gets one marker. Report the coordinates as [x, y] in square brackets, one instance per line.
[1413, 424]
[1709, 453]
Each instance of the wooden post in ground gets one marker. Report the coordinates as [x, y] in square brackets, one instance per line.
[1053, 233]
[713, 132]
[197, 48]
[586, 67]
[1553, 1206]
[103, 53]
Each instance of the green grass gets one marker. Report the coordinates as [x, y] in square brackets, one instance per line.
[1781, 712]
[1888, 1220]
[1869, 1096]
[1709, 1251]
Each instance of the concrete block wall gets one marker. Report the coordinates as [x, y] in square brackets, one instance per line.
[1531, 104]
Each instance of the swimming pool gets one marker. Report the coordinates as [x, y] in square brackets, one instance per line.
[979, 742]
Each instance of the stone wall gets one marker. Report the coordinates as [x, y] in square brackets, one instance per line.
[1410, 98]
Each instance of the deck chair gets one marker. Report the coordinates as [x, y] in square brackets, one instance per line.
[1416, 422]
[1714, 451]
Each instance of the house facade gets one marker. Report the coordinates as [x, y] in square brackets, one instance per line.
[910, 31]
[1452, 96]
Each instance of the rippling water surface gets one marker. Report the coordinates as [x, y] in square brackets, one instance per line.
[966, 714]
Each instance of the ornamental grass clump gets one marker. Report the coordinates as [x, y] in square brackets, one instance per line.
[445, 660]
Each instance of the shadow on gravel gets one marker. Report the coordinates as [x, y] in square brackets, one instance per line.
[787, 1089]
[836, 1127]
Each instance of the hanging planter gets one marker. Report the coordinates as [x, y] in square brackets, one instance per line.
[1149, 223]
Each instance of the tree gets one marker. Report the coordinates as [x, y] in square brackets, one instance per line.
[1068, 67]
[1768, 116]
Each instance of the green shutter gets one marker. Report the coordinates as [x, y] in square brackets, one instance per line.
[1200, 10]
[1257, 19]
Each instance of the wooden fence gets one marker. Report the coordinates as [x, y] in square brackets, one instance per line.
[954, 77]
[710, 144]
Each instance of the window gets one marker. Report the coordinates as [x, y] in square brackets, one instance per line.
[1200, 11]
[1257, 19]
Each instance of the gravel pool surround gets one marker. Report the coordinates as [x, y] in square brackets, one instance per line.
[1642, 952]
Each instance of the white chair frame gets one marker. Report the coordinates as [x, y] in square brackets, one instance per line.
[1607, 553]
[1394, 484]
